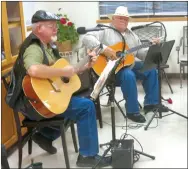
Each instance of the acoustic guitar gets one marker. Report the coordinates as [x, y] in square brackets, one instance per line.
[128, 60]
[50, 97]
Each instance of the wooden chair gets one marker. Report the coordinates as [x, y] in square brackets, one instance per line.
[33, 126]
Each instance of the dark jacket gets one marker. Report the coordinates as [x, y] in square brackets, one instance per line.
[15, 97]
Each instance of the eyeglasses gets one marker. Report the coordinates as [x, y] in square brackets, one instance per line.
[52, 26]
[122, 18]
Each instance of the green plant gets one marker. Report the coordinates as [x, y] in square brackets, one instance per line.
[66, 30]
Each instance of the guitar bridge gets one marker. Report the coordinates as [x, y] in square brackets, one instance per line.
[54, 86]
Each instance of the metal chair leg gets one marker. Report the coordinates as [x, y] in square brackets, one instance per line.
[167, 81]
[64, 144]
[98, 109]
[121, 100]
[119, 107]
[30, 142]
[124, 99]
[183, 72]
[180, 76]
[74, 137]
[19, 152]
[139, 105]
[30, 146]
[19, 133]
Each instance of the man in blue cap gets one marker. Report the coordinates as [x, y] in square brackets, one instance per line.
[37, 55]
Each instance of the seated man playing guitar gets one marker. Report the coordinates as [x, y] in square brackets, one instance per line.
[34, 60]
[126, 76]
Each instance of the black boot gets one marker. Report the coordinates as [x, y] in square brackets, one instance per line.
[92, 160]
[44, 143]
[136, 117]
[149, 108]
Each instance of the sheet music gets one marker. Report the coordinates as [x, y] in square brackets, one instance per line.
[102, 79]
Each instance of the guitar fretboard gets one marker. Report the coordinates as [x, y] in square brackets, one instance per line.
[138, 47]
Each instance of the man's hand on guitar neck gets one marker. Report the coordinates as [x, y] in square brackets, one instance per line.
[156, 41]
[110, 53]
[92, 59]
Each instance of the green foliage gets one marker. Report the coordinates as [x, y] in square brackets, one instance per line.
[66, 30]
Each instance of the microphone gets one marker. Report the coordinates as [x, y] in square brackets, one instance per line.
[83, 30]
[138, 27]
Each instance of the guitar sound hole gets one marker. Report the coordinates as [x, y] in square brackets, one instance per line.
[118, 53]
[65, 79]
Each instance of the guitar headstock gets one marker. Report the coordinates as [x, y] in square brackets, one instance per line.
[147, 44]
[98, 48]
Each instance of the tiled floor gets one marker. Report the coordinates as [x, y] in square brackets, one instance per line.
[167, 142]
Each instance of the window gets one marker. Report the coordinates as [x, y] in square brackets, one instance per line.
[145, 8]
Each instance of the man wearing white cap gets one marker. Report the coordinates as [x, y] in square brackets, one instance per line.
[126, 77]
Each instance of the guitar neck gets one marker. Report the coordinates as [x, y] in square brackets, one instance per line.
[87, 58]
[138, 47]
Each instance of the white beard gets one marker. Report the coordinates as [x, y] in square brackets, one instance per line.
[53, 39]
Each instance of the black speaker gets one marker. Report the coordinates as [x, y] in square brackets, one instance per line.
[123, 154]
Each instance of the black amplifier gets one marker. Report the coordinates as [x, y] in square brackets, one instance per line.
[123, 154]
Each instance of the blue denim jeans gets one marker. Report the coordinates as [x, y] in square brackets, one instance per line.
[81, 110]
[126, 79]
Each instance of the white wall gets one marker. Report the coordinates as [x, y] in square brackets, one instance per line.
[81, 13]
[86, 13]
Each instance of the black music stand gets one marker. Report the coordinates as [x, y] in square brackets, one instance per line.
[111, 83]
[156, 56]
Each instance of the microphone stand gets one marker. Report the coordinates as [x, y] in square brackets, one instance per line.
[114, 142]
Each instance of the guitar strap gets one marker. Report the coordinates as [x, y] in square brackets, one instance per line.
[45, 59]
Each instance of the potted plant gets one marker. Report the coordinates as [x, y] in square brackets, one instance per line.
[66, 34]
